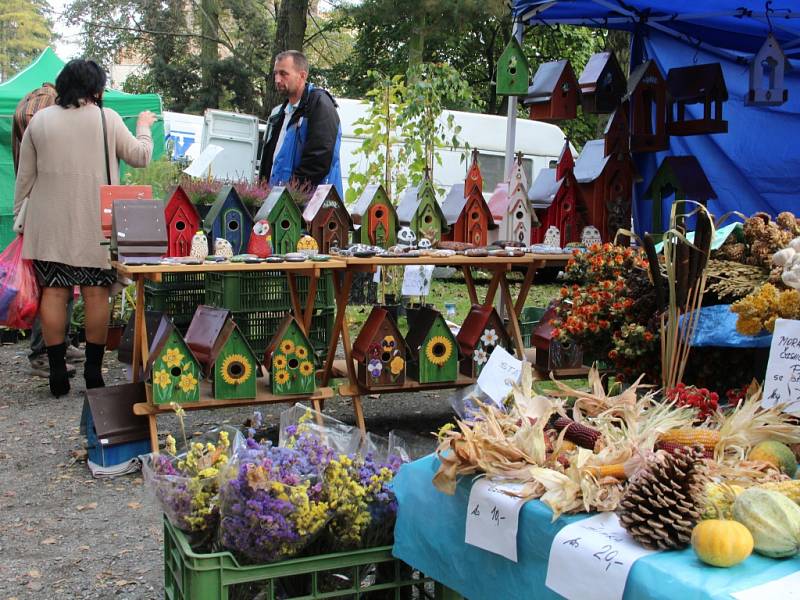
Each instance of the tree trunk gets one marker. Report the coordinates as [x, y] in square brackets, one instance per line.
[416, 43]
[290, 33]
[209, 50]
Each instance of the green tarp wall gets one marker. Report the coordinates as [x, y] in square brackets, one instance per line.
[45, 69]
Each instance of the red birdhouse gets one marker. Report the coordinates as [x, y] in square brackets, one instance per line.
[551, 354]
[553, 93]
[467, 214]
[481, 332]
[698, 84]
[602, 84]
[617, 134]
[647, 96]
[380, 351]
[474, 178]
[327, 219]
[183, 221]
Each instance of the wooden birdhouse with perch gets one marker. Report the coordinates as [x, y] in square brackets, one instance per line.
[172, 370]
[380, 351]
[481, 332]
[374, 218]
[138, 231]
[511, 209]
[556, 198]
[419, 211]
[433, 351]
[327, 219]
[617, 133]
[678, 178]
[229, 219]
[602, 84]
[702, 85]
[552, 355]
[183, 221]
[513, 70]
[289, 358]
[767, 70]
[284, 218]
[647, 100]
[553, 93]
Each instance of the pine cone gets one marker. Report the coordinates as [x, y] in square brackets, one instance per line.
[663, 502]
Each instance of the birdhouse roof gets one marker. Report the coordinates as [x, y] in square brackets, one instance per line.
[454, 203]
[360, 208]
[544, 188]
[593, 71]
[771, 47]
[204, 332]
[687, 176]
[175, 198]
[276, 195]
[473, 327]
[283, 328]
[227, 191]
[591, 161]
[639, 73]
[422, 326]
[324, 195]
[165, 329]
[697, 82]
[370, 329]
[546, 80]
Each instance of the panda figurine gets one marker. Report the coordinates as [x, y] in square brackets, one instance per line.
[406, 238]
[424, 244]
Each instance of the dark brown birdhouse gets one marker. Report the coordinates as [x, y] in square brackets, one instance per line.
[380, 351]
[702, 85]
[680, 177]
[204, 333]
[139, 232]
[553, 94]
[327, 219]
[602, 84]
[481, 332]
[767, 71]
[617, 134]
[551, 354]
[647, 96]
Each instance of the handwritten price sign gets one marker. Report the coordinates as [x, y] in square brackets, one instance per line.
[493, 517]
[498, 374]
[782, 384]
[592, 559]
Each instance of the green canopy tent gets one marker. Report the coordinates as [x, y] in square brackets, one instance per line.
[45, 69]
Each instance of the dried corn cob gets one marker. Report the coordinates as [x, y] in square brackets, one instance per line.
[692, 436]
[617, 471]
[671, 447]
[719, 500]
[789, 488]
[578, 433]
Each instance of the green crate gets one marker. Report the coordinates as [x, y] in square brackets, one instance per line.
[263, 290]
[260, 326]
[372, 574]
[177, 294]
[528, 321]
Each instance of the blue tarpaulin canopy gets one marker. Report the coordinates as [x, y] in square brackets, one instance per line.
[756, 165]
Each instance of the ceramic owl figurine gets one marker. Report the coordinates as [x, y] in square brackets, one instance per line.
[590, 236]
[260, 242]
[552, 237]
[199, 246]
[223, 248]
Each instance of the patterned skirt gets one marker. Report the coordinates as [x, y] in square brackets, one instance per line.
[53, 274]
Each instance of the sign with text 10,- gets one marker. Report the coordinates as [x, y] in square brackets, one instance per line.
[493, 517]
[782, 383]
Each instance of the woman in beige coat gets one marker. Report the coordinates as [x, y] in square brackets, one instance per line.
[62, 165]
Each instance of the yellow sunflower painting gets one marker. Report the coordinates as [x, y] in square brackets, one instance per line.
[301, 352]
[162, 379]
[306, 368]
[439, 350]
[236, 369]
[173, 357]
[281, 377]
[279, 362]
[287, 346]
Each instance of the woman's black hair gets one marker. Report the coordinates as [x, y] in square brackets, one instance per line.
[80, 80]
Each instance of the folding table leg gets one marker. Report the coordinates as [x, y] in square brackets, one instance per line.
[513, 321]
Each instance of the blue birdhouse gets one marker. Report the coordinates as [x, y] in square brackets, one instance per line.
[229, 218]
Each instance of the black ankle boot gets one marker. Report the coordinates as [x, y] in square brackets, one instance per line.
[93, 369]
[59, 379]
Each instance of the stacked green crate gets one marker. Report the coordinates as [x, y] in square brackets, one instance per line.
[177, 295]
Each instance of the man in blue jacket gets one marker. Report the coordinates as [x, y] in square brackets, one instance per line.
[303, 134]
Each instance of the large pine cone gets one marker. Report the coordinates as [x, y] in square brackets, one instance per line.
[663, 502]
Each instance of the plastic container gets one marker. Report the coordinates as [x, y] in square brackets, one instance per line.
[259, 327]
[177, 294]
[263, 291]
[528, 320]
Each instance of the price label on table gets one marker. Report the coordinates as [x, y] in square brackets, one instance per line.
[493, 517]
[592, 559]
[417, 280]
[500, 372]
[785, 588]
[782, 384]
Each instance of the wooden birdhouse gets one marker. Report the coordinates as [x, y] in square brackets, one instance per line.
[284, 218]
[172, 369]
[697, 84]
[474, 180]
[513, 70]
[602, 84]
[327, 219]
[511, 209]
[647, 97]
[606, 186]
[228, 218]
[678, 178]
[553, 94]
[433, 351]
[481, 332]
[115, 435]
[617, 134]
[289, 358]
[380, 351]
[466, 212]
[374, 218]
[420, 211]
[183, 221]
[138, 231]
[110, 193]
[553, 355]
[767, 71]
[556, 198]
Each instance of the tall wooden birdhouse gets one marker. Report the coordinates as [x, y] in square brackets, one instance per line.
[510, 207]
[380, 351]
[289, 358]
[172, 370]
[697, 84]
[553, 355]
[553, 94]
[481, 332]
[513, 70]
[606, 185]
[556, 198]
[678, 178]
[420, 211]
[374, 218]
[229, 219]
[767, 71]
[183, 221]
[284, 218]
[327, 219]
[433, 349]
[466, 212]
[617, 134]
[647, 96]
[602, 84]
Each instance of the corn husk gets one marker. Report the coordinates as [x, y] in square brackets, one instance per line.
[596, 401]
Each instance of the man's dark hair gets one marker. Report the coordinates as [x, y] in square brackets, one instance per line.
[80, 80]
[299, 59]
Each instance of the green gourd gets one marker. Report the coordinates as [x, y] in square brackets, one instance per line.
[772, 518]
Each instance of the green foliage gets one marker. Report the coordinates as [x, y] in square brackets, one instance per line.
[25, 31]
[162, 174]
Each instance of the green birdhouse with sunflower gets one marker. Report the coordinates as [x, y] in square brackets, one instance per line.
[172, 369]
[289, 358]
[433, 351]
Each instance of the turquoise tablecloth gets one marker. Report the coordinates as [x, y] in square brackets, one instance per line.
[429, 536]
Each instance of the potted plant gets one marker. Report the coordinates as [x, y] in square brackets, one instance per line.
[122, 307]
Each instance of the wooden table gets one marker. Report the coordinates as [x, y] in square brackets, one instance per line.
[139, 273]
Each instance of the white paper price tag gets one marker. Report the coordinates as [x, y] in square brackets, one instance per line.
[592, 559]
[782, 383]
[417, 280]
[500, 372]
[785, 588]
[493, 518]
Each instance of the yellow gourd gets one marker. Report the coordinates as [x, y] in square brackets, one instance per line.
[721, 543]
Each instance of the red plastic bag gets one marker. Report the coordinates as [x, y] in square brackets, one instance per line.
[19, 290]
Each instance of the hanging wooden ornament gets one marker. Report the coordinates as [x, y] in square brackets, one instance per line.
[766, 76]
[513, 70]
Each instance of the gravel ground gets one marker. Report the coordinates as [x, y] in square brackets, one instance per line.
[64, 534]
